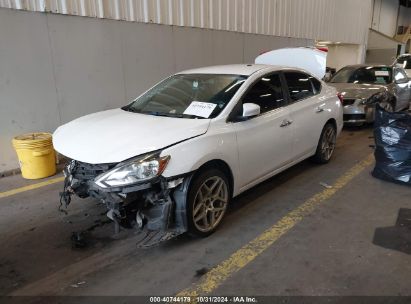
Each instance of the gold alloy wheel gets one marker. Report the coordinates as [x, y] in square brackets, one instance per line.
[210, 204]
[328, 143]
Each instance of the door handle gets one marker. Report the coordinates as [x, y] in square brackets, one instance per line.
[286, 123]
[319, 110]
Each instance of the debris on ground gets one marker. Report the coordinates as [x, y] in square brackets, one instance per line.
[325, 185]
[77, 285]
[150, 238]
[79, 240]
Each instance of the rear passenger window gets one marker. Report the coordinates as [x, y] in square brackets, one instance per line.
[267, 93]
[301, 85]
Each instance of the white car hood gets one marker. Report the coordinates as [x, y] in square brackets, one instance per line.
[116, 135]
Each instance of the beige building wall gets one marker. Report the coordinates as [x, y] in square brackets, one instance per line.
[381, 49]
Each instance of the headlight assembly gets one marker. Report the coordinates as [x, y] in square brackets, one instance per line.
[134, 171]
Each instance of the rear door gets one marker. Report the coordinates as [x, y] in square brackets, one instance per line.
[264, 141]
[307, 111]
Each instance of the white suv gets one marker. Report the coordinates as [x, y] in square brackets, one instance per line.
[172, 159]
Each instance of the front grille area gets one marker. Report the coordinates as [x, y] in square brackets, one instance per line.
[348, 102]
[354, 117]
[85, 171]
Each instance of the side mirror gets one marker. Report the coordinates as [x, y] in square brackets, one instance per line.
[250, 110]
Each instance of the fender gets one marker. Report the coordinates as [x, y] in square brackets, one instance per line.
[219, 143]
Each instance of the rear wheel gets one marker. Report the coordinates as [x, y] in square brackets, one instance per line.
[326, 144]
[208, 198]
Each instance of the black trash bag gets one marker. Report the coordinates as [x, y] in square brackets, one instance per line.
[392, 133]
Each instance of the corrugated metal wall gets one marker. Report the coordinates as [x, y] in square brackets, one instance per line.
[346, 21]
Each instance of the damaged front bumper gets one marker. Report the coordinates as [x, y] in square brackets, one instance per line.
[358, 111]
[155, 205]
[358, 114]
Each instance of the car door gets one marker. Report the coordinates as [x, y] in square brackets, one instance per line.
[402, 88]
[307, 111]
[265, 141]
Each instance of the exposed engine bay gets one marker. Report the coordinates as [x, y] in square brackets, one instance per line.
[158, 205]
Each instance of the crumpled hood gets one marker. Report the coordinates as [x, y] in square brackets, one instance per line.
[116, 135]
[357, 91]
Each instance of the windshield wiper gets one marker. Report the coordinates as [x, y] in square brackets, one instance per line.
[192, 116]
[171, 114]
[130, 109]
[155, 113]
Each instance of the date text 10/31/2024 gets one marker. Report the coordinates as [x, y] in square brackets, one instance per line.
[203, 299]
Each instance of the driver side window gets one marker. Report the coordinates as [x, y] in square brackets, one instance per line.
[267, 93]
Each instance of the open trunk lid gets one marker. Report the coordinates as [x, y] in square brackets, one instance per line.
[310, 59]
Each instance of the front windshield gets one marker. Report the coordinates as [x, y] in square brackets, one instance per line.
[404, 62]
[188, 96]
[367, 75]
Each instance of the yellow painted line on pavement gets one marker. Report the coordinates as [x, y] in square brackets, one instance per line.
[31, 187]
[239, 259]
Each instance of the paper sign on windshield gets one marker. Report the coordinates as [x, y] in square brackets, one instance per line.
[382, 73]
[202, 109]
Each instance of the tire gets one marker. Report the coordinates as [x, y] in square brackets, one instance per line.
[205, 209]
[326, 144]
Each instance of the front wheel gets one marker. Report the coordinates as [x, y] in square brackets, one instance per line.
[326, 144]
[208, 198]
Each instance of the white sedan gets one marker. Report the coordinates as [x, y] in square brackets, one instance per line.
[173, 158]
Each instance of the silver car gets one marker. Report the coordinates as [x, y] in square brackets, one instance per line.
[404, 61]
[362, 87]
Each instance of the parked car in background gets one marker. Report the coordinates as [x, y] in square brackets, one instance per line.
[362, 85]
[404, 61]
[173, 158]
[329, 73]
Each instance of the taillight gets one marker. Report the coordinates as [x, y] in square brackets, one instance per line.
[340, 97]
[265, 51]
[323, 49]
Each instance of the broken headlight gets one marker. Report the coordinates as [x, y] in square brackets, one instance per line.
[133, 171]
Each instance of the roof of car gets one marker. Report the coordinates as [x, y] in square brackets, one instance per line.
[232, 69]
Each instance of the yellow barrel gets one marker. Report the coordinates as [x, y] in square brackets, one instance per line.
[36, 155]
